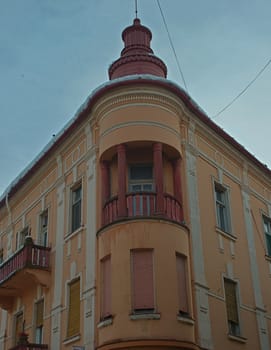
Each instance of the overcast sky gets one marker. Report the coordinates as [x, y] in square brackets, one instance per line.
[53, 53]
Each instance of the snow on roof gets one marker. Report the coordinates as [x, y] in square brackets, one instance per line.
[83, 107]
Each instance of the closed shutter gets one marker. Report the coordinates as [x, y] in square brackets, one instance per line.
[106, 287]
[74, 309]
[142, 280]
[231, 301]
[182, 284]
[39, 313]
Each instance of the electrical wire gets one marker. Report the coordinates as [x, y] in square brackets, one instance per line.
[244, 90]
[172, 46]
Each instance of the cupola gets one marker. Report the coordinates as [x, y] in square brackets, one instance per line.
[137, 56]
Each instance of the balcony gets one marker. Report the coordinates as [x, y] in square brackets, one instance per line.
[144, 205]
[28, 265]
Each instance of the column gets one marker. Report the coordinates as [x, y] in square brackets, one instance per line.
[105, 184]
[122, 168]
[158, 176]
[177, 182]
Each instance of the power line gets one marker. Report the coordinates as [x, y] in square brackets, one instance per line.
[244, 90]
[172, 46]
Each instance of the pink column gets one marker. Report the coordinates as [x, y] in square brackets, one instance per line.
[158, 176]
[105, 188]
[177, 181]
[105, 181]
[122, 168]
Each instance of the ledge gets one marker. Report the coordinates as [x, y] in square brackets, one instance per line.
[146, 316]
[228, 235]
[106, 322]
[74, 233]
[184, 319]
[71, 339]
[237, 338]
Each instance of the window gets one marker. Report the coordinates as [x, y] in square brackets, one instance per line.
[1, 255]
[19, 327]
[142, 281]
[76, 208]
[182, 284]
[39, 307]
[140, 178]
[106, 287]
[74, 309]
[267, 232]
[222, 208]
[43, 234]
[232, 307]
[21, 237]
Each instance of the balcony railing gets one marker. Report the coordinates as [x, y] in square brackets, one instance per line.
[143, 204]
[29, 256]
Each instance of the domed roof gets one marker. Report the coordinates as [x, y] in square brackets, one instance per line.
[137, 56]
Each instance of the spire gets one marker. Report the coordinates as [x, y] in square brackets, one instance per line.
[137, 56]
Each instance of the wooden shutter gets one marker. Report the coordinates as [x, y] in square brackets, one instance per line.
[39, 313]
[142, 279]
[106, 287]
[74, 309]
[182, 284]
[231, 301]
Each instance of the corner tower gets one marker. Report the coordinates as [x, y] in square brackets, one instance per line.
[144, 293]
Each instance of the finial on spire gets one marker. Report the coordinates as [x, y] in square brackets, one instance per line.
[135, 8]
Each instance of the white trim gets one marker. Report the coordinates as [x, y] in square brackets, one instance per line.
[201, 290]
[146, 316]
[260, 315]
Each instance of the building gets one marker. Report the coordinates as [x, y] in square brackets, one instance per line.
[141, 225]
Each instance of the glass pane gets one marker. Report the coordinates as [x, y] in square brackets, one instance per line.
[136, 188]
[141, 172]
[76, 216]
[147, 187]
[76, 195]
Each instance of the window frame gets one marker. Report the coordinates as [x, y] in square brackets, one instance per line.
[39, 328]
[140, 182]
[267, 233]
[21, 235]
[43, 233]
[143, 310]
[234, 328]
[73, 190]
[69, 321]
[16, 336]
[183, 313]
[106, 284]
[225, 206]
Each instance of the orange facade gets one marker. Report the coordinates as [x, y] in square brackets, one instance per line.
[143, 225]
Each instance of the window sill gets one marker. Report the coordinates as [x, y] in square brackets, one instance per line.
[74, 233]
[146, 316]
[105, 322]
[184, 319]
[72, 339]
[226, 234]
[237, 338]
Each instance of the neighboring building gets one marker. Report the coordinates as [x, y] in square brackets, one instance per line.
[142, 225]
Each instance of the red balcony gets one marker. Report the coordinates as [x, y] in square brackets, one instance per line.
[28, 265]
[143, 204]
